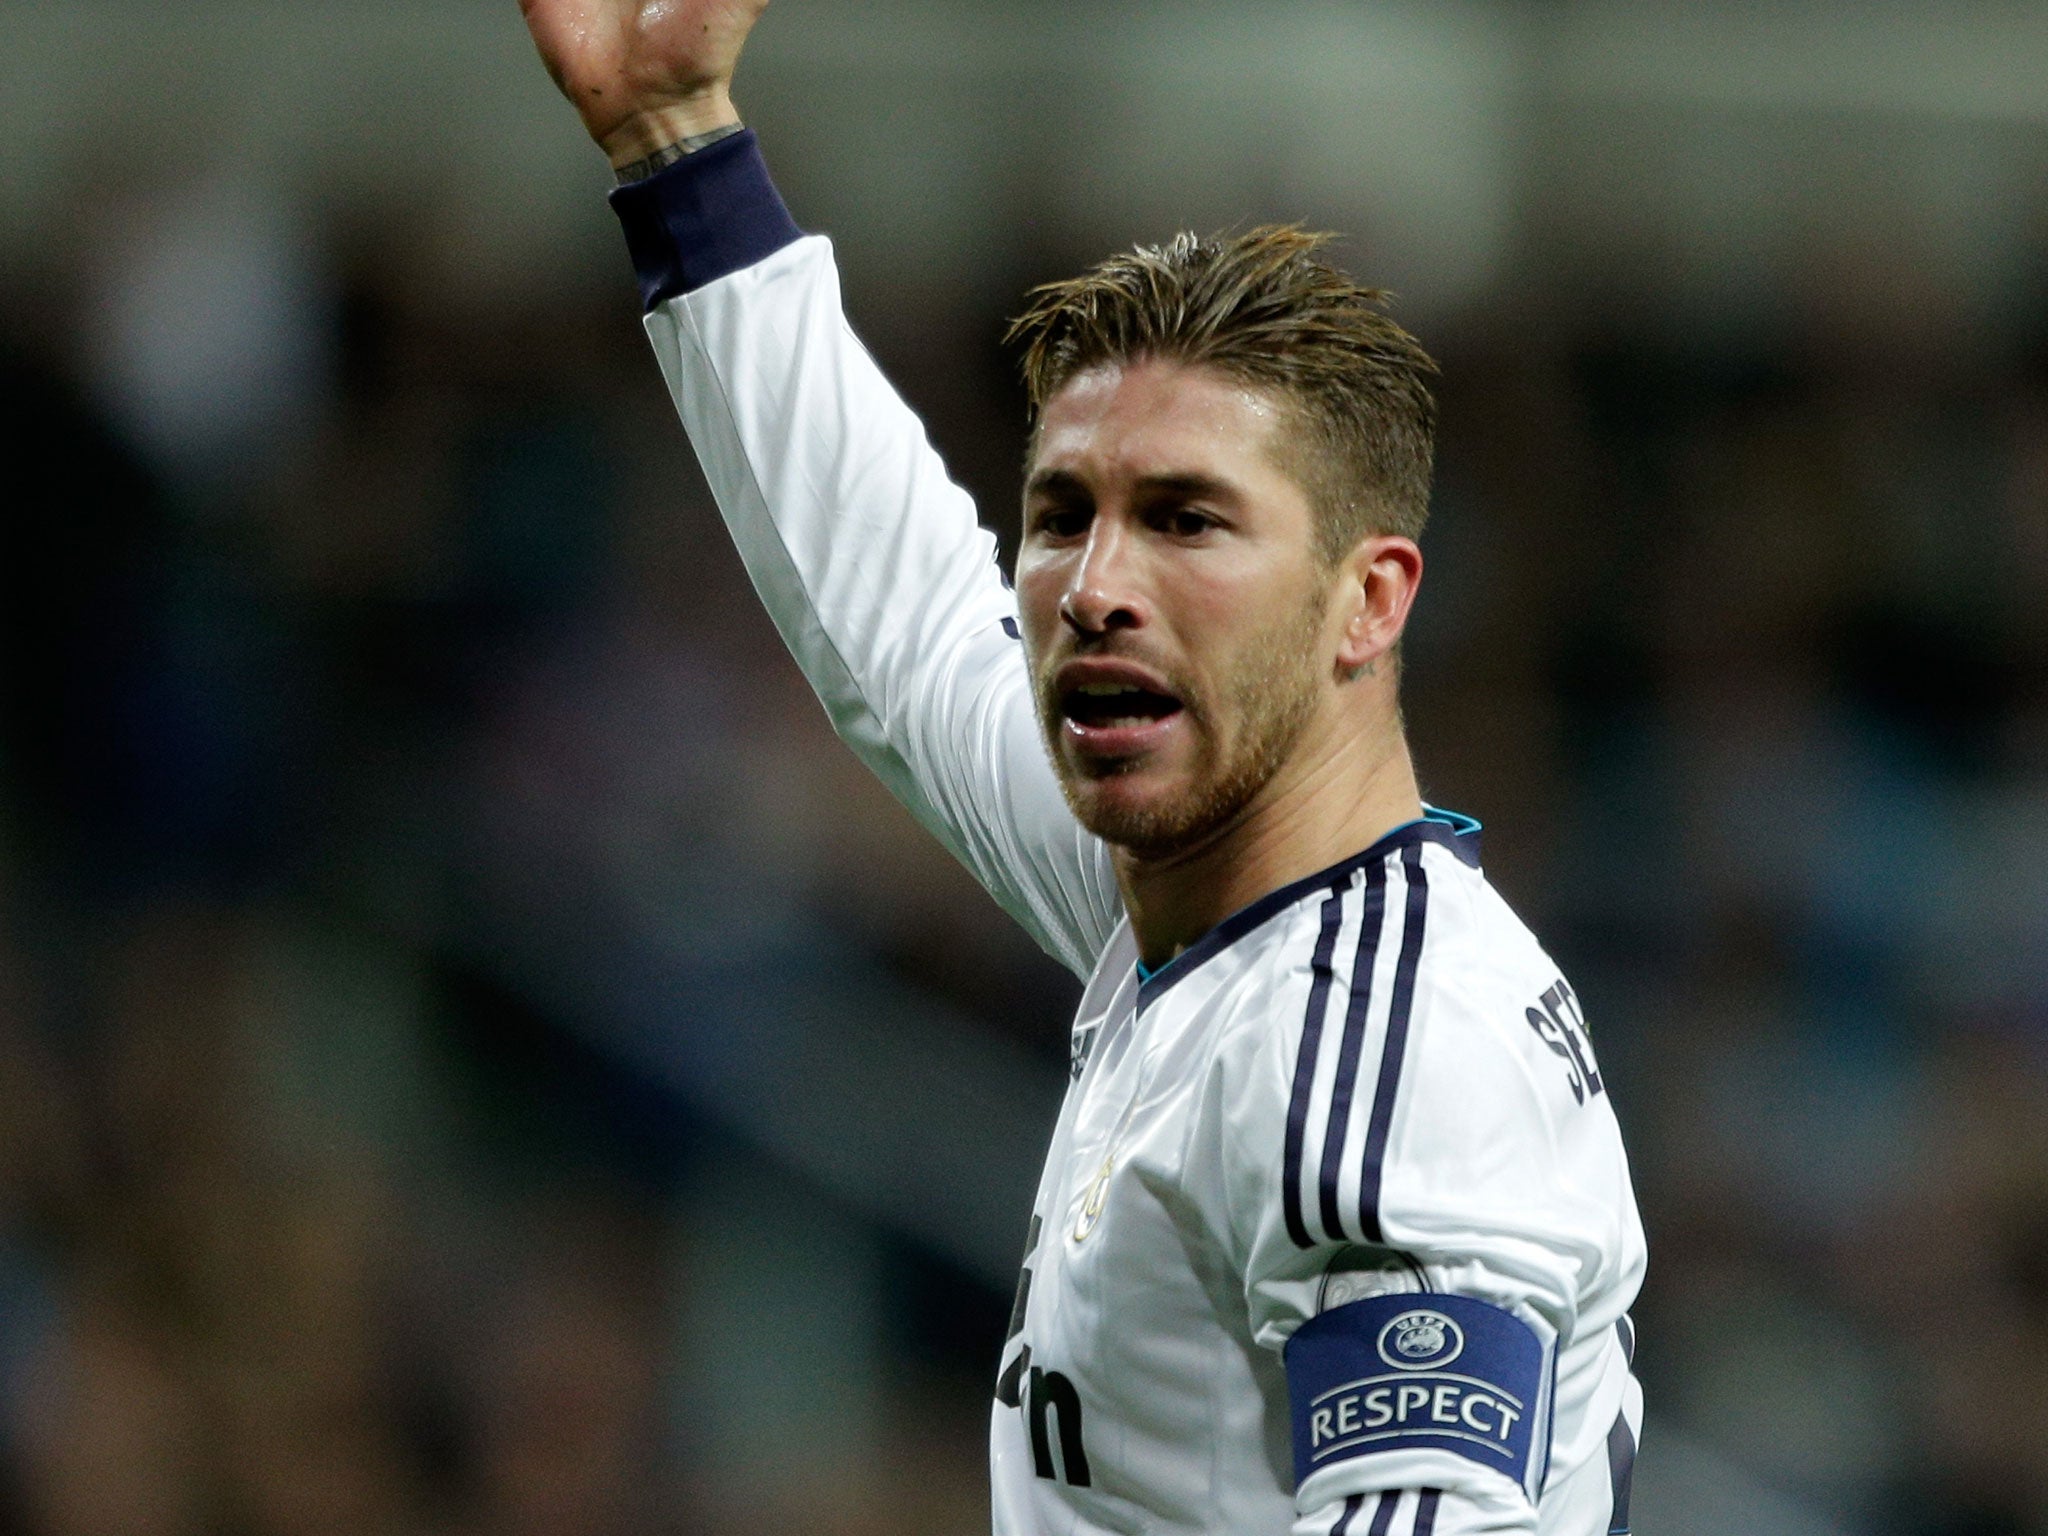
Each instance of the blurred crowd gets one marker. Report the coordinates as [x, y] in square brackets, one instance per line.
[1755, 677]
[383, 721]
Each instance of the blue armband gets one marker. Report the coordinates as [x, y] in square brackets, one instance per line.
[1421, 1372]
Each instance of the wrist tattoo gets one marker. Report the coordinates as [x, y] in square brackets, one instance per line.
[640, 170]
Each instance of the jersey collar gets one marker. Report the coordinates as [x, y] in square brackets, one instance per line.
[1457, 832]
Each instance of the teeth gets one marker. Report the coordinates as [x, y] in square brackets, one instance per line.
[1105, 690]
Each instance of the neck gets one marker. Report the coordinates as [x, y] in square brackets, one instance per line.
[1319, 809]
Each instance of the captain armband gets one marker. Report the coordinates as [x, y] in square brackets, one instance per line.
[1421, 1372]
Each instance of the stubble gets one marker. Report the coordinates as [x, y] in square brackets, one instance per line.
[1265, 704]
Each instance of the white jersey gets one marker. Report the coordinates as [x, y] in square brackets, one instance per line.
[1336, 1234]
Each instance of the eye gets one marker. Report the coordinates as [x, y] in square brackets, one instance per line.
[1055, 521]
[1183, 522]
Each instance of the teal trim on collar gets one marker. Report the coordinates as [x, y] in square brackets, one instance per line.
[1460, 824]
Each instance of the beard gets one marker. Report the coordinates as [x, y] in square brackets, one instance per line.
[1267, 698]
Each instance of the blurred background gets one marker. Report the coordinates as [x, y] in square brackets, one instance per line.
[476, 1057]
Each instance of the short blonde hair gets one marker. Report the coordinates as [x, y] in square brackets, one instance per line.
[1261, 307]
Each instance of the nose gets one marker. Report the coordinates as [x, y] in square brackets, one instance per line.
[1100, 594]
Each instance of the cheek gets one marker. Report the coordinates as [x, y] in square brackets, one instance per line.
[1268, 638]
[1244, 619]
[1038, 600]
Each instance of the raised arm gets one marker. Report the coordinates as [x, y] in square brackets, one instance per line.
[645, 75]
[869, 559]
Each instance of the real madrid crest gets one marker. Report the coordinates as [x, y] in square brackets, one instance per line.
[1092, 1201]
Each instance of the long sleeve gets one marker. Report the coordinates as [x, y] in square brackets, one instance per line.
[1417, 1512]
[1434, 1227]
[868, 558]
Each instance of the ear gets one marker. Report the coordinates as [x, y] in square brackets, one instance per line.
[1378, 583]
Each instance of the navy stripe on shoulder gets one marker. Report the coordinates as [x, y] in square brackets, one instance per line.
[708, 215]
[1305, 1068]
[1383, 1517]
[1344, 1520]
[1458, 833]
[1425, 1511]
[1345, 1086]
[1399, 1006]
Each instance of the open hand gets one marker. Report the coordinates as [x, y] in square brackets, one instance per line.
[644, 74]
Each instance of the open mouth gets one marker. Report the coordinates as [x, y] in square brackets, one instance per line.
[1115, 706]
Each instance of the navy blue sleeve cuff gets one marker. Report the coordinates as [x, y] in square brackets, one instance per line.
[708, 215]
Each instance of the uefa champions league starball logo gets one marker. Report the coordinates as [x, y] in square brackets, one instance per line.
[1421, 1340]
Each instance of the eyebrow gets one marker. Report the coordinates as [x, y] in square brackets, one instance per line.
[1065, 484]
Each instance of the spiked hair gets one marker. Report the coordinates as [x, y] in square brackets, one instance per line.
[1264, 309]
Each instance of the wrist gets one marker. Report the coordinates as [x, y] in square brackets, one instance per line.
[648, 133]
[661, 159]
[706, 216]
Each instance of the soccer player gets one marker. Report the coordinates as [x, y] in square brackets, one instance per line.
[1336, 1233]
